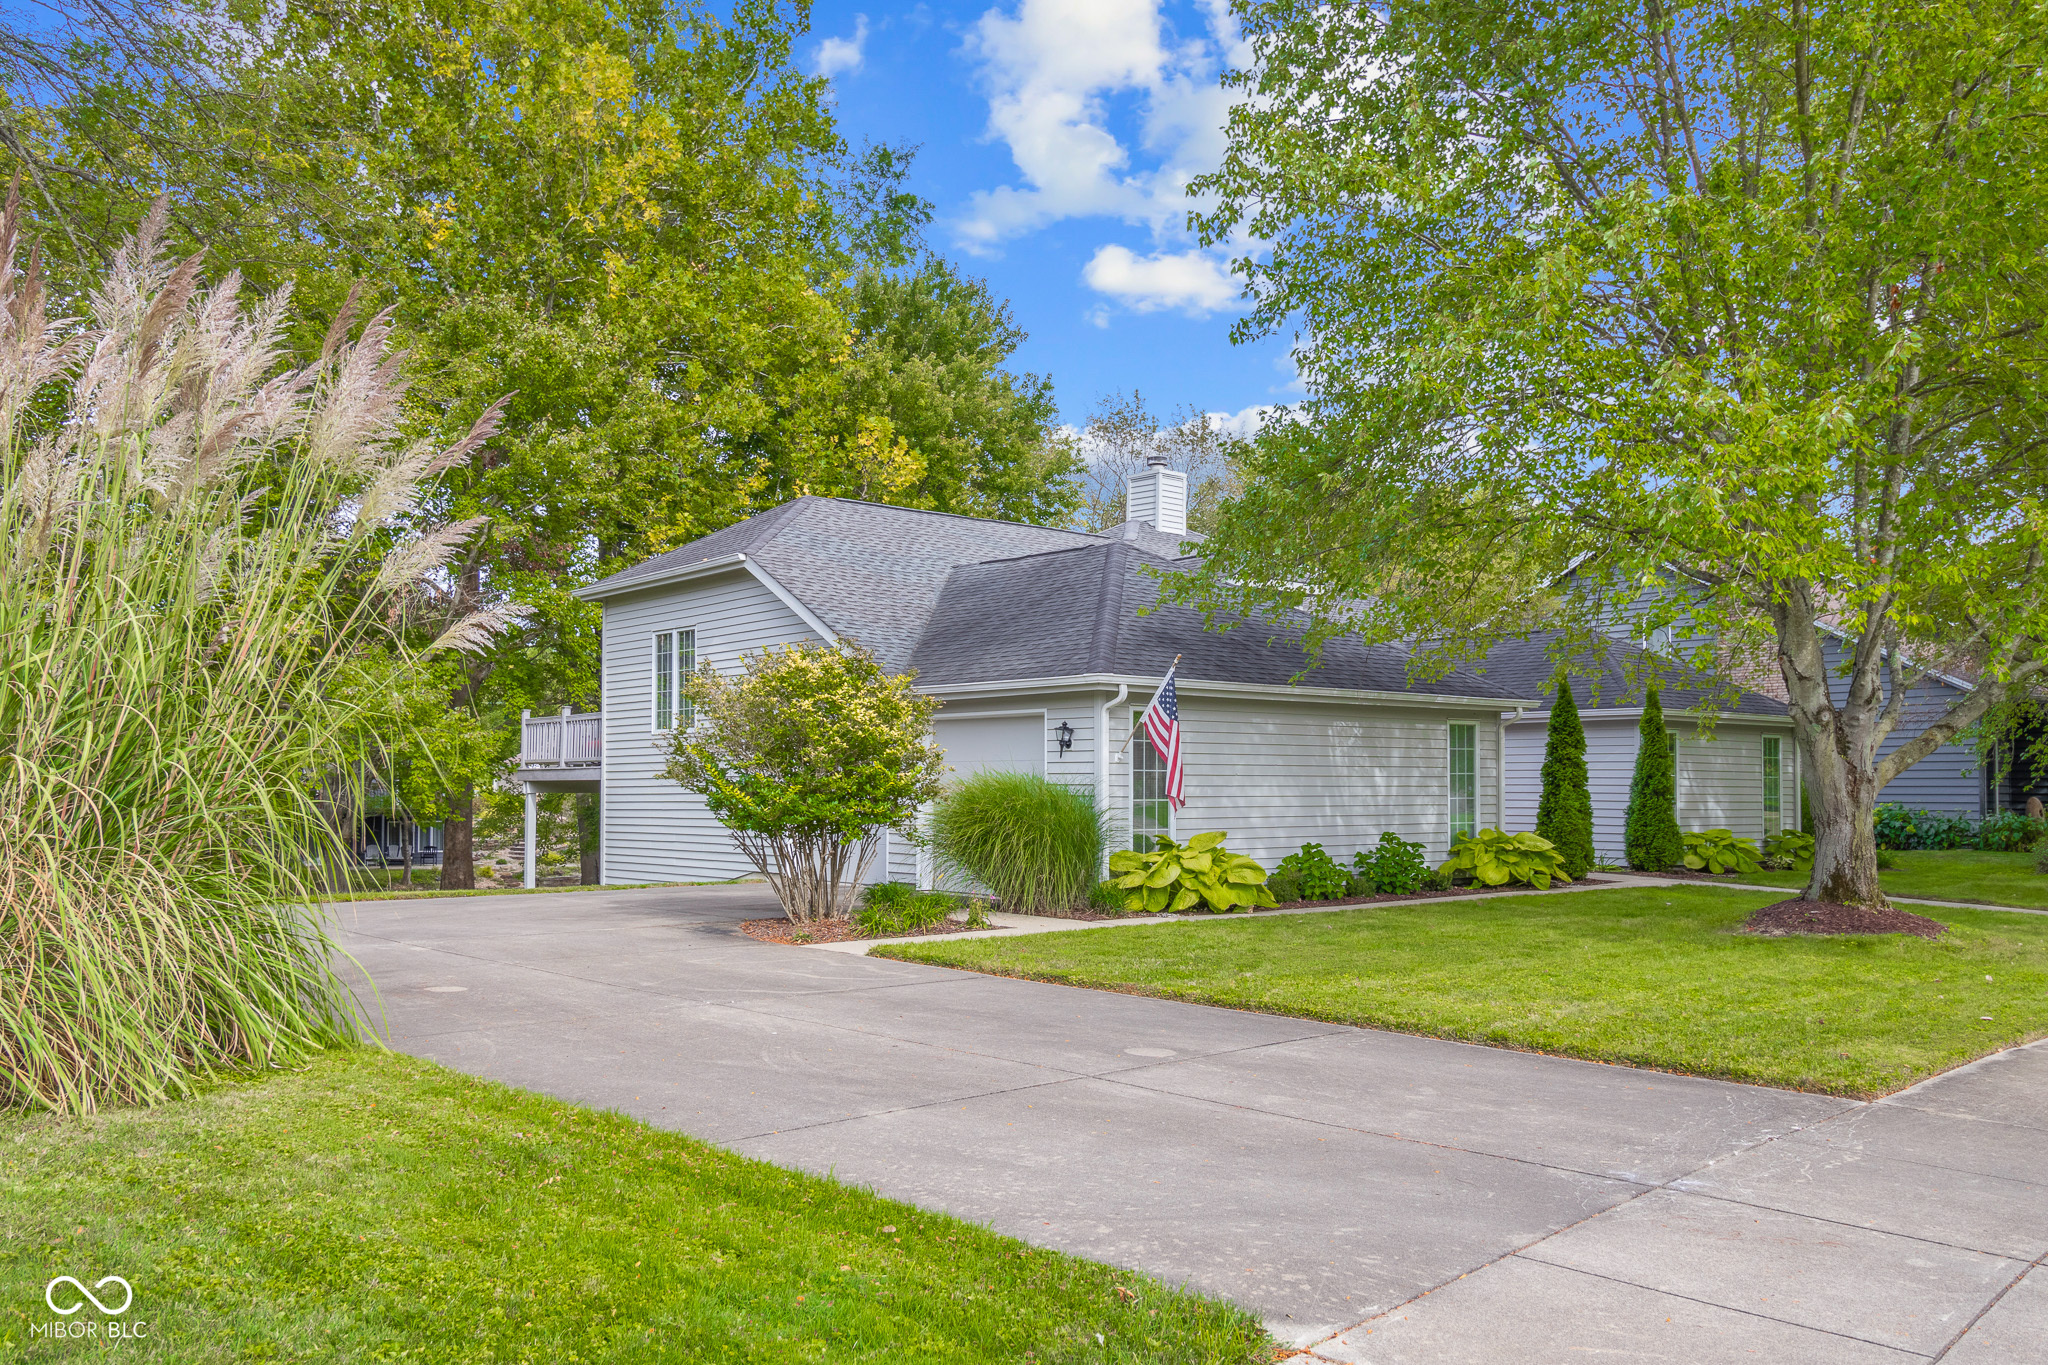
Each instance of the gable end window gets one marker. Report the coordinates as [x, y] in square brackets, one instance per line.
[675, 655]
[1464, 780]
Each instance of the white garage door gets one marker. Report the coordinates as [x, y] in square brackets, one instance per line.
[1010, 743]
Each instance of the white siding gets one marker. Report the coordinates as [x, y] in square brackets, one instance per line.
[1278, 774]
[1005, 743]
[654, 830]
[1720, 779]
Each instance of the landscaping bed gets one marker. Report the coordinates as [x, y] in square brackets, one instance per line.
[376, 1207]
[1349, 902]
[845, 930]
[1650, 976]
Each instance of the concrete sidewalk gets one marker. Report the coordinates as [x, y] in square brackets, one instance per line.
[1376, 1197]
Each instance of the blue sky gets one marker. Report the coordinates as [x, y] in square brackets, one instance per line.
[1057, 138]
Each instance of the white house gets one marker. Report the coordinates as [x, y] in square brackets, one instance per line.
[1044, 646]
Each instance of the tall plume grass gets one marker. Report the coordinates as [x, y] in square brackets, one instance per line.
[1036, 844]
[198, 544]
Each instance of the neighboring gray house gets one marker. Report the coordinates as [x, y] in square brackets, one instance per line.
[1044, 646]
[1954, 779]
[1740, 773]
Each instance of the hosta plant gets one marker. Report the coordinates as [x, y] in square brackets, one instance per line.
[1787, 848]
[1494, 857]
[1175, 876]
[1721, 850]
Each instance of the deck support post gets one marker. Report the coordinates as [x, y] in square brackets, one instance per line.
[529, 835]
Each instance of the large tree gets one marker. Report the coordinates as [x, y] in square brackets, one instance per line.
[637, 219]
[1744, 296]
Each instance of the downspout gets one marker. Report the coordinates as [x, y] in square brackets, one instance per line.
[1102, 757]
[1500, 758]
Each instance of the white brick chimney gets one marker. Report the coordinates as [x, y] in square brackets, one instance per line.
[1160, 496]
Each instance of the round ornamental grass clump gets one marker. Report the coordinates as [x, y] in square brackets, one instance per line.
[1035, 845]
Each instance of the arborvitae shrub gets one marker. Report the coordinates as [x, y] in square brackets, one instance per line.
[1652, 840]
[1564, 815]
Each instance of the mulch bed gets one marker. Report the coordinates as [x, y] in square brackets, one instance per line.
[840, 930]
[1828, 917]
[1470, 890]
[846, 930]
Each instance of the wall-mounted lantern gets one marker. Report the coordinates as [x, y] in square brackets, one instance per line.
[1064, 735]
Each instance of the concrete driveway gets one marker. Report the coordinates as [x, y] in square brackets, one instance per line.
[1378, 1198]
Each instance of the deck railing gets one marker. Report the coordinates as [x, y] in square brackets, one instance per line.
[562, 741]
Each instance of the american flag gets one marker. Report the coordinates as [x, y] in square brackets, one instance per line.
[1161, 723]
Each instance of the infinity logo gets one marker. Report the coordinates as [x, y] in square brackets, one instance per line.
[50, 1295]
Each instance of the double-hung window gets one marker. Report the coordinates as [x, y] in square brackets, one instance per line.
[1774, 803]
[675, 655]
[1464, 780]
[1151, 815]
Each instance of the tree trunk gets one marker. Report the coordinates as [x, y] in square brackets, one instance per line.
[586, 835]
[1838, 747]
[1845, 842]
[458, 855]
[405, 836]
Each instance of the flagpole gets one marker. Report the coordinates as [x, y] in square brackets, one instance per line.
[1134, 729]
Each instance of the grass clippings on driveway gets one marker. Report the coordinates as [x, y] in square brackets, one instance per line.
[1653, 977]
[1949, 875]
[375, 1207]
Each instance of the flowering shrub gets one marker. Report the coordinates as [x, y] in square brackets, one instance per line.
[807, 755]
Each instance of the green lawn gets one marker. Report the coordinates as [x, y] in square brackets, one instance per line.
[1645, 977]
[1957, 875]
[374, 1207]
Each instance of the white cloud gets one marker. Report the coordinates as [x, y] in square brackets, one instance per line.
[1194, 282]
[1244, 423]
[837, 56]
[1059, 74]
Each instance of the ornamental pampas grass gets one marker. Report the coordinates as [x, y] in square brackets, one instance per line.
[185, 574]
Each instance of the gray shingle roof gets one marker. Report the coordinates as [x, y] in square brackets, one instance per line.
[1611, 675]
[1094, 609]
[968, 600]
[868, 570]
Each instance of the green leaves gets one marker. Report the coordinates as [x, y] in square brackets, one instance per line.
[806, 755]
[1721, 850]
[1173, 877]
[1317, 876]
[1788, 846]
[1747, 301]
[1494, 858]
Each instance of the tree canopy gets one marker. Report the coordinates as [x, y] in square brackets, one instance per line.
[635, 224]
[1744, 295]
